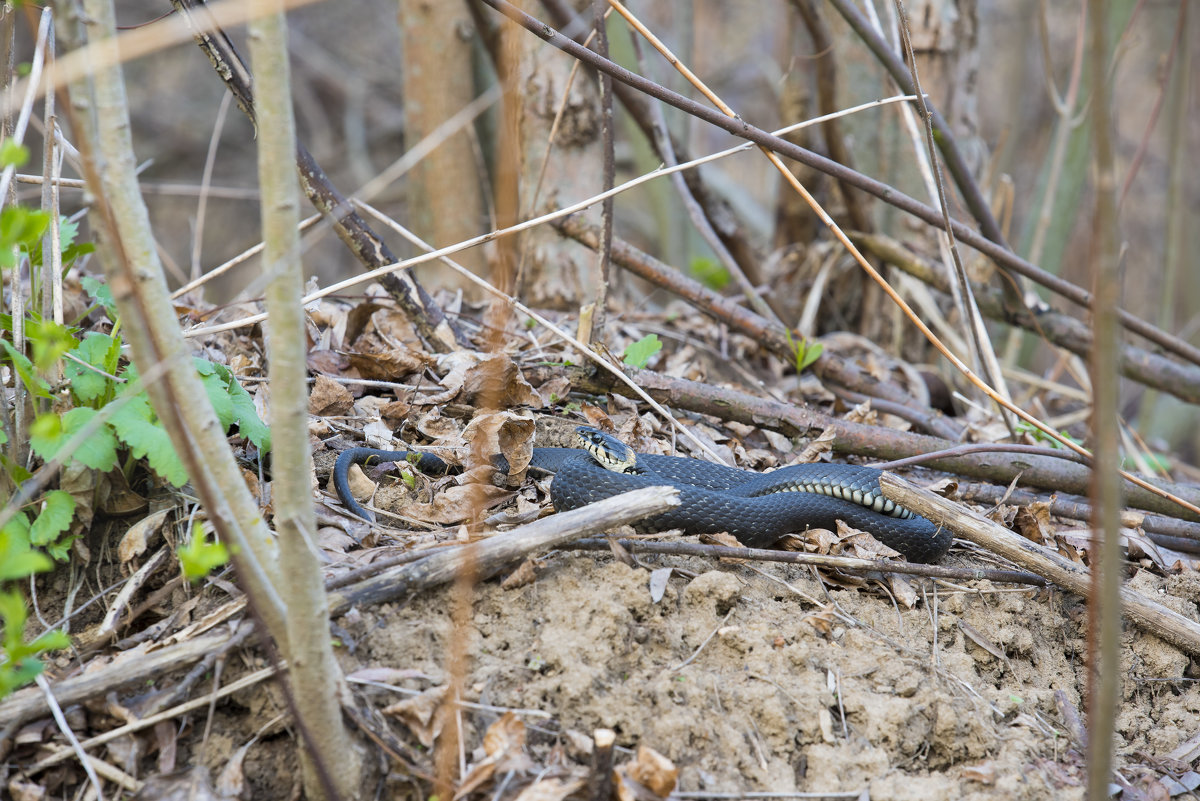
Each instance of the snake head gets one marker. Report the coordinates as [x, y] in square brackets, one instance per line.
[610, 452]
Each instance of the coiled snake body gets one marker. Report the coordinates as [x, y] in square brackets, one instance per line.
[756, 508]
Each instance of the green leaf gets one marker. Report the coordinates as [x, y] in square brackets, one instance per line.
[136, 426]
[235, 402]
[200, 556]
[20, 664]
[804, 353]
[20, 229]
[217, 389]
[17, 559]
[13, 153]
[639, 353]
[58, 509]
[24, 369]
[50, 432]
[102, 294]
[50, 341]
[710, 272]
[68, 230]
[100, 351]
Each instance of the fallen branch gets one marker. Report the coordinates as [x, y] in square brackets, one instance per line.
[1144, 613]
[487, 556]
[439, 568]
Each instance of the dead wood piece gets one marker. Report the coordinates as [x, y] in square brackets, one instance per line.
[1144, 613]
[30, 703]
[1170, 532]
[490, 555]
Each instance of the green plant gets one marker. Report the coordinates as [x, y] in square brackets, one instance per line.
[710, 272]
[19, 664]
[96, 417]
[200, 556]
[804, 353]
[639, 353]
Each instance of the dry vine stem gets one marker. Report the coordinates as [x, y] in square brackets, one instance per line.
[1146, 614]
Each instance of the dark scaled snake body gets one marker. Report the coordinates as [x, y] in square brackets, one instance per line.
[756, 508]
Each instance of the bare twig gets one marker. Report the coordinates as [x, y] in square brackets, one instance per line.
[1105, 595]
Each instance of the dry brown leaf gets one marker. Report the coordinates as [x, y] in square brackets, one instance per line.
[395, 412]
[434, 425]
[419, 713]
[903, 591]
[387, 362]
[137, 539]
[25, 791]
[818, 447]
[326, 362]
[554, 391]
[88, 488]
[822, 621]
[861, 544]
[508, 434]
[1033, 522]
[329, 398]
[526, 573]
[649, 770]
[504, 744]
[458, 503]
[166, 737]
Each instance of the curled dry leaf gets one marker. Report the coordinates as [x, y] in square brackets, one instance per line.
[902, 590]
[650, 775]
[818, 447]
[387, 362]
[508, 434]
[329, 398]
[525, 574]
[659, 579]
[484, 380]
[459, 503]
[504, 744]
[232, 781]
[419, 713]
[861, 544]
[1033, 522]
[140, 536]
[554, 391]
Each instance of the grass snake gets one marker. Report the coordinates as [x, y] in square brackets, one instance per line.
[756, 508]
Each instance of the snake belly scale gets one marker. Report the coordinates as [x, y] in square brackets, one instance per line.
[756, 508]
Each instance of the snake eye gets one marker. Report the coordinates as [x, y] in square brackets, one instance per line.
[610, 452]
